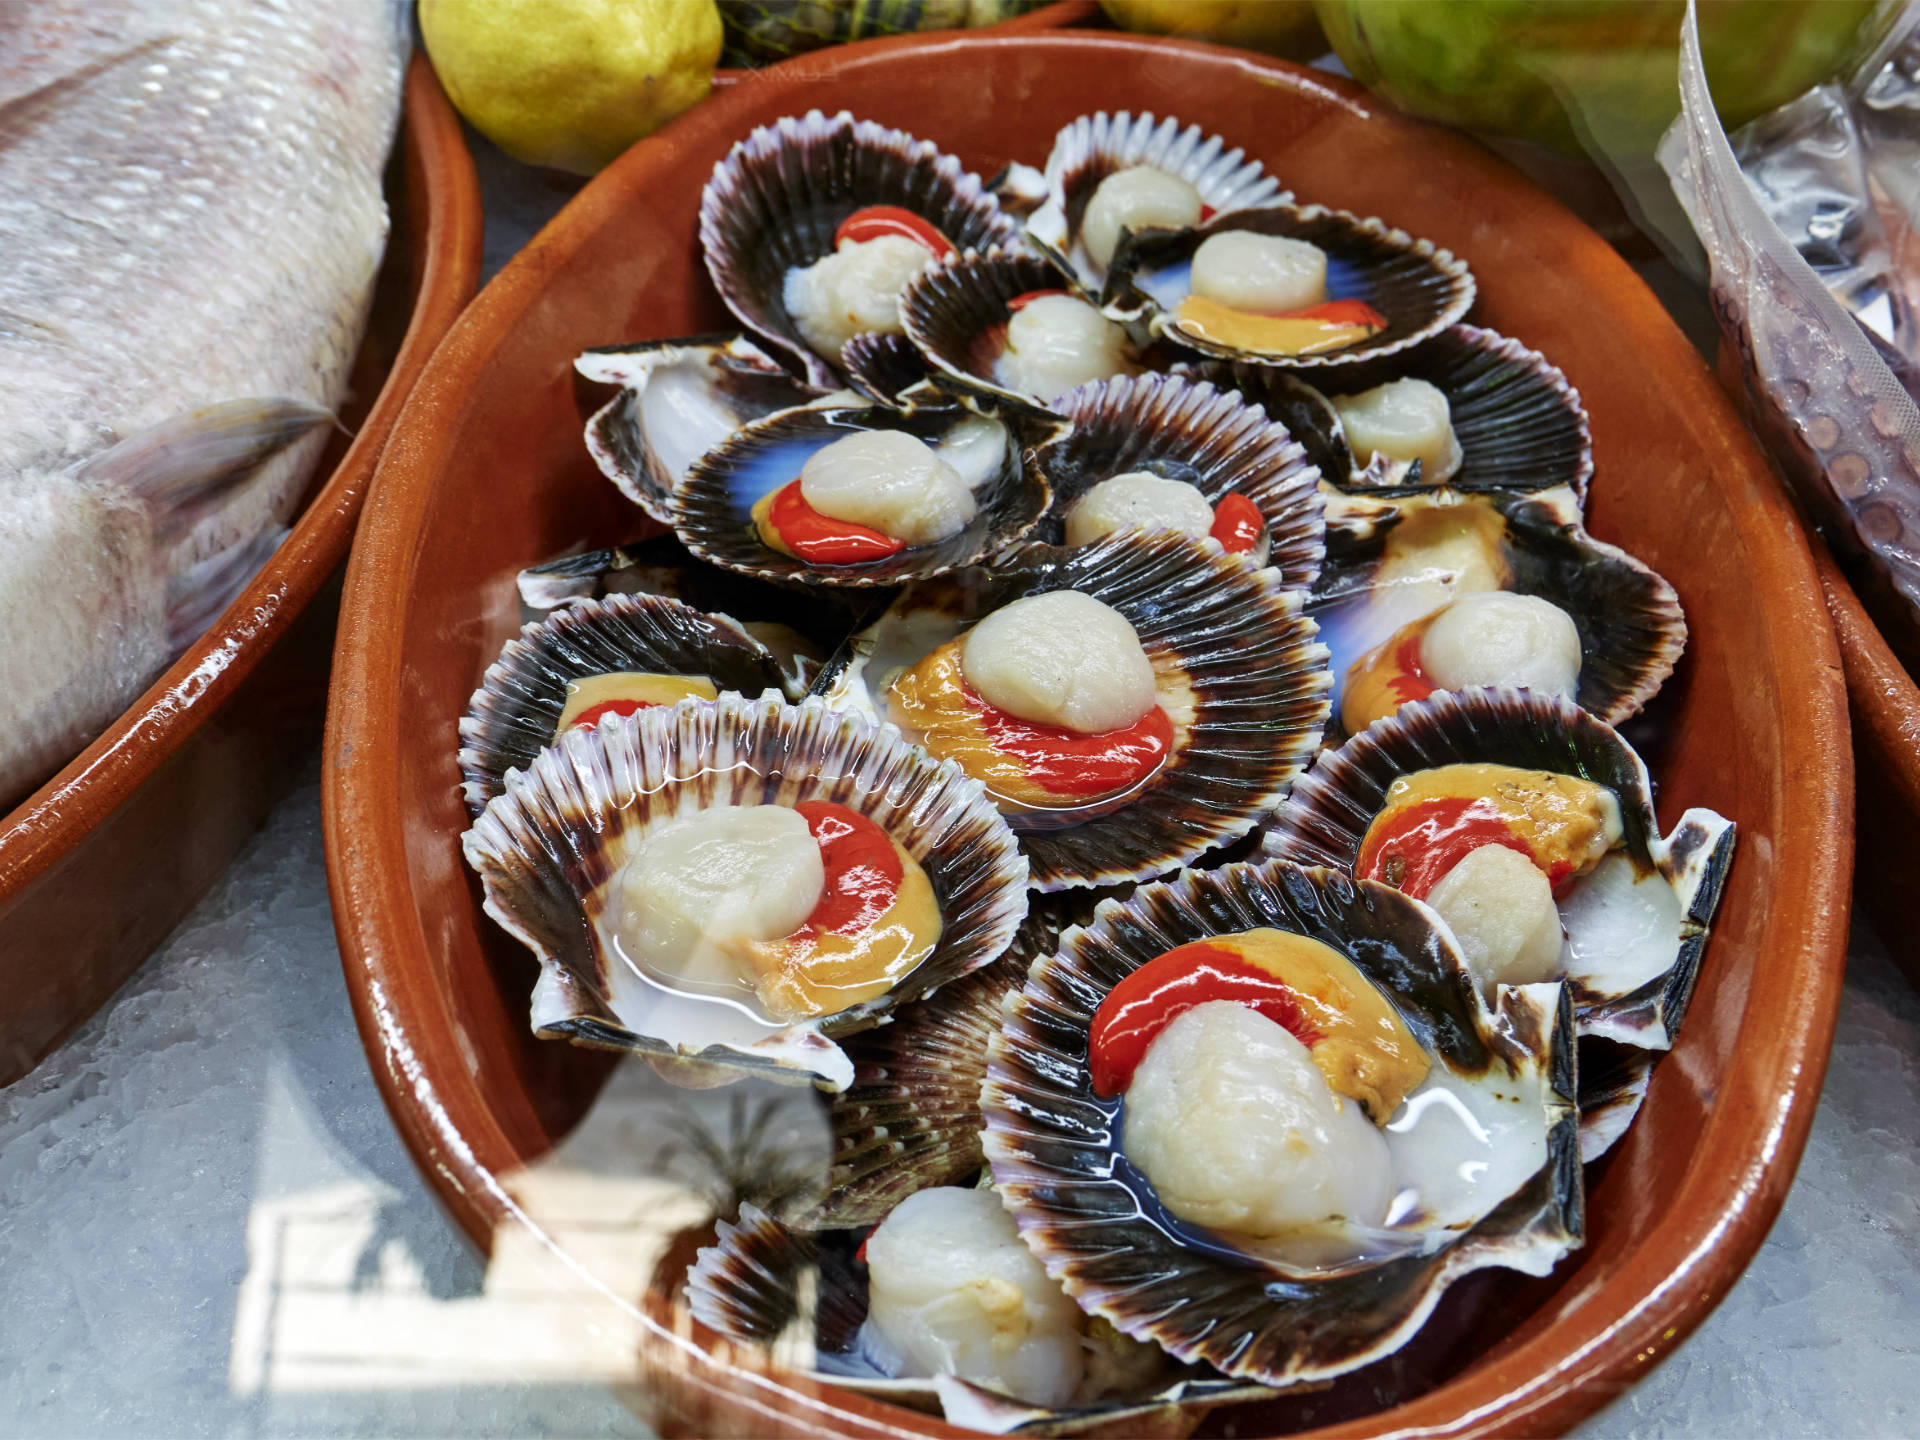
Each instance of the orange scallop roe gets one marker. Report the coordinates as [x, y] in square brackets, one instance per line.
[1312, 331]
[1433, 818]
[876, 919]
[787, 523]
[1354, 1036]
[1039, 766]
[1387, 677]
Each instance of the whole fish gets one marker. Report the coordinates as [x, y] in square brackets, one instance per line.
[191, 219]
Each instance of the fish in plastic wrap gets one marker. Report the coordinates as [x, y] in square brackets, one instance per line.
[1838, 170]
[1835, 416]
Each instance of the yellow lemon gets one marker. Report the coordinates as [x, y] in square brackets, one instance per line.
[571, 83]
[1273, 27]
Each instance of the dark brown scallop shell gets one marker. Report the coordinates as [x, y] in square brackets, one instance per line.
[885, 368]
[1519, 423]
[1182, 430]
[1419, 288]
[712, 507]
[645, 438]
[515, 713]
[911, 1118]
[1237, 633]
[549, 848]
[774, 202]
[956, 315]
[800, 627]
[1090, 148]
[1632, 631]
[1094, 1220]
[750, 1286]
[1324, 822]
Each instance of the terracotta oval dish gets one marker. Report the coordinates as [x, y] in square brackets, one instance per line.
[1886, 754]
[1751, 725]
[103, 860]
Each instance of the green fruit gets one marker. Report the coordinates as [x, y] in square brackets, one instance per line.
[762, 31]
[1597, 71]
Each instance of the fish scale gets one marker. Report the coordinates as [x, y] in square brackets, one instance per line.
[192, 216]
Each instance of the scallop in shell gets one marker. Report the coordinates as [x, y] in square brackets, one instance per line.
[804, 1295]
[800, 628]
[1236, 668]
[1515, 422]
[1374, 290]
[1481, 1141]
[677, 400]
[1175, 429]
[726, 497]
[774, 204]
[1635, 920]
[518, 710]
[1396, 568]
[1095, 147]
[552, 852]
[961, 316]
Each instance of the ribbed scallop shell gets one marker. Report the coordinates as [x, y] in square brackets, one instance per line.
[956, 315]
[1520, 425]
[1258, 674]
[774, 203]
[548, 849]
[1184, 430]
[886, 368]
[515, 713]
[804, 1295]
[1419, 288]
[712, 507]
[1632, 630]
[800, 627]
[677, 400]
[911, 1118]
[1093, 147]
[1095, 1222]
[1324, 822]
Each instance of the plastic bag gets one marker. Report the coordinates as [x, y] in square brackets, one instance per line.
[1838, 421]
[1838, 170]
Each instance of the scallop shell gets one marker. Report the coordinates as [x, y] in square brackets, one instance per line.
[677, 400]
[1096, 1223]
[1091, 148]
[774, 203]
[886, 368]
[911, 1118]
[515, 713]
[804, 1295]
[1625, 987]
[1613, 1086]
[547, 850]
[1632, 631]
[1520, 425]
[1239, 635]
[1189, 431]
[1418, 287]
[956, 316]
[711, 507]
[801, 628]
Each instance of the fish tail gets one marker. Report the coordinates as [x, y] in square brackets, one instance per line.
[185, 466]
